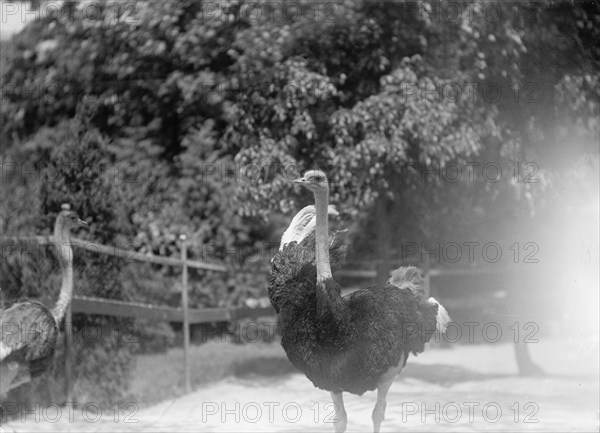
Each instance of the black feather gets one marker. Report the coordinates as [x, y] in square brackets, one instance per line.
[29, 327]
[346, 343]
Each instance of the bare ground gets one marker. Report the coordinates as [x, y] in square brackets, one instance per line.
[464, 388]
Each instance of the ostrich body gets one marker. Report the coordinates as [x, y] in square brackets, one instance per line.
[355, 343]
[29, 329]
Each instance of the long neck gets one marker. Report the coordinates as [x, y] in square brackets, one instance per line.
[322, 236]
[65, 258]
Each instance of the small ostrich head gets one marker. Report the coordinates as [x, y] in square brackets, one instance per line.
[314, 180]
[67, 220]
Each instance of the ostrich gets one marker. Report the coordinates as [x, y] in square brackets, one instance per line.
[353, 343]
[29, 328]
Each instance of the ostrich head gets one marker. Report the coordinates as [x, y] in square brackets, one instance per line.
[314, 180]
[67, 220]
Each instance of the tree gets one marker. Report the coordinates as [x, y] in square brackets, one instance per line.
[211, 109]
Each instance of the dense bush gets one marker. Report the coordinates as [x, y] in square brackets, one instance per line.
[70, 164]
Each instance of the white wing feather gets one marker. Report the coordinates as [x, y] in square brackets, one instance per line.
[4, 351]
[302, 225]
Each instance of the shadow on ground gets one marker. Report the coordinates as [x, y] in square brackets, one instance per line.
[445, 374]
[440, 374]
[268, 366]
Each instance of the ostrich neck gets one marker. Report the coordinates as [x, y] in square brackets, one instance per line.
[65, 258]
[322, 236]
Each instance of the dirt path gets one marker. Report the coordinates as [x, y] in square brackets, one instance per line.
[460, 389]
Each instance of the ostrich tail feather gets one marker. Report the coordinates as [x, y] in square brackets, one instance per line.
[410, 277]
[407, 277]
[442, 318]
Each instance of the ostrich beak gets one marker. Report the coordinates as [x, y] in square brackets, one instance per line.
[81, 222]
[300, 180]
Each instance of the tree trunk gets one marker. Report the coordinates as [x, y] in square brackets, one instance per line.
[526, 365]
[524, 304]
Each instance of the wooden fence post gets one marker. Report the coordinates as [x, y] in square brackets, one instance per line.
[186, 316]
[68, 353]
[427, 287]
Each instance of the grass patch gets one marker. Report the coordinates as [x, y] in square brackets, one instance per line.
[158, 377]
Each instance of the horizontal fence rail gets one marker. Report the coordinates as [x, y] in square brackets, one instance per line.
[111, 307]
[124, 254]
[433, 272]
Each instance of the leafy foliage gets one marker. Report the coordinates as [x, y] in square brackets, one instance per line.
[186, 118]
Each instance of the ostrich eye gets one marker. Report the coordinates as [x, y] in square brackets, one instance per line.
[319, 179]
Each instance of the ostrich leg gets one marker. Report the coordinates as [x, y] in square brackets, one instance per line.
[382, 389]
[12, 375]
[340, 419]
[8, 372]
[379, 410]
[22, 377]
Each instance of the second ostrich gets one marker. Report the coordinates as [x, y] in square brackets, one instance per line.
[353, 343]
[29, 328]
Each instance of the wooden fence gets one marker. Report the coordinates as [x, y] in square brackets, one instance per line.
[184, 314]
[116, 308]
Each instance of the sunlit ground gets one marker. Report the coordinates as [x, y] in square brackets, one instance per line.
[462, 388]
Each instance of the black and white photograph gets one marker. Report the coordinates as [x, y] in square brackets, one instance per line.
[299, 216]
